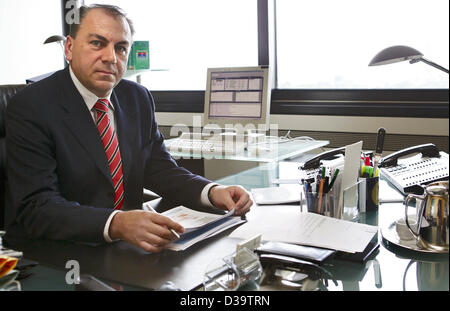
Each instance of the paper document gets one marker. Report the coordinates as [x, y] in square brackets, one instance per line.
[198, 225]
[276, 195]
[188, 239]
[192, 220]
[309, 229]
[389, 194]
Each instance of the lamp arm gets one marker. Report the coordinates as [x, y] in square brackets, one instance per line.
[426, 61]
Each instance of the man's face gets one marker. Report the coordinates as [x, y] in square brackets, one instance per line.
[99, 53]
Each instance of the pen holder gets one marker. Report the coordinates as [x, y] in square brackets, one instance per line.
[353, 201]
[319, 203]
[372, 194]
[233, 272]
[360, 201]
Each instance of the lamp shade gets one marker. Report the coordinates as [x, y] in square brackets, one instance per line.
[395, 54]
[55, 38]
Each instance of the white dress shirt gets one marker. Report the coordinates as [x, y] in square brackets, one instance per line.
[90, 99]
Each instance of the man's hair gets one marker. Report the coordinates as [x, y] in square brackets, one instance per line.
[112, 10]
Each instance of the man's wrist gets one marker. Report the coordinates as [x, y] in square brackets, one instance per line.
[209, 194]
[205, 195]
[111, 233]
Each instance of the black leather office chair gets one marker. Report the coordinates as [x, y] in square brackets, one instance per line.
[6, 92]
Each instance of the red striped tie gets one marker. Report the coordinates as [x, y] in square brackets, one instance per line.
[111, 144]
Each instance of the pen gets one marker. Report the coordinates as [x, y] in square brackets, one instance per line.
[370, 171]
[379, 149]
[307, 189]
[154, 211]
[367, 172]
[336, 172]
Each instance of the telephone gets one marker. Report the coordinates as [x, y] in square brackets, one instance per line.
[331, 158]
[272, 262]
[408, 174]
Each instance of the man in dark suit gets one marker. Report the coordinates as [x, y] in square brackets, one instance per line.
[83, 143]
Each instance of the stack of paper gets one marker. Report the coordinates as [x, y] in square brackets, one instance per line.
[309, 229]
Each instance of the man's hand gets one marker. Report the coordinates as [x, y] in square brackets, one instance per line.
[231, 197]
[147, 230]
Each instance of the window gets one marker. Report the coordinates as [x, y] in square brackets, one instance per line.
[187, 37]
[328, 44]
[24, 26]
[323, 49]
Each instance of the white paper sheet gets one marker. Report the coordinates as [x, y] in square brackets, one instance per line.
[309, 229]
[191, 219]
[352, 163]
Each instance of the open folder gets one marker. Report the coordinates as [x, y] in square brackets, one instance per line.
[199, 225]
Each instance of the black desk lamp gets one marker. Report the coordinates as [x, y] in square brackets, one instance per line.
[56, 38]
[60, 40]
[400, 53]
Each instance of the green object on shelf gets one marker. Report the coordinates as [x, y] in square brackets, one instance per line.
[139, 56]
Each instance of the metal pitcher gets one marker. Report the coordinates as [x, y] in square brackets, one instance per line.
[432, 217]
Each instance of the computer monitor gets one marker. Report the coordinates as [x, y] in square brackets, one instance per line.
[237, 99]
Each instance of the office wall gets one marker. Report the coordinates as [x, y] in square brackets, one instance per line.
[24, 26]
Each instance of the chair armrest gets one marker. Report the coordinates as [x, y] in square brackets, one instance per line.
[149, 195]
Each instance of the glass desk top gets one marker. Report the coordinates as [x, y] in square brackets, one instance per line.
[273, 153]
[390, 268]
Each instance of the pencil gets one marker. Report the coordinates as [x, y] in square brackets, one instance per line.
[322, 181]
[154, 211]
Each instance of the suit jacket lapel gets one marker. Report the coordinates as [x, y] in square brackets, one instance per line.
[79, 121]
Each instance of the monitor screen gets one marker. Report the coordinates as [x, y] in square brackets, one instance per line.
[237, 98]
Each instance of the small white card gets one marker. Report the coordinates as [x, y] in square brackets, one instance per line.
[276, 195]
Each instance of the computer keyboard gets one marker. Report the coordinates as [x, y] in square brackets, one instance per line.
[200, 146]
[223, 144]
